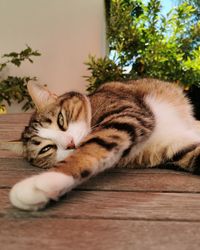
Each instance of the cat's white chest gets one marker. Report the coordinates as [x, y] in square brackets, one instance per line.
[171, 130]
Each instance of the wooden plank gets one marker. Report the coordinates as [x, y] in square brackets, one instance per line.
[21, 118]
[7, 154]
[12, 125]
[114, 181]
[9, 178]
[114, 205]
[157, 181]
[150, 180]
[64, 234]
[14, 164]
[10, 135]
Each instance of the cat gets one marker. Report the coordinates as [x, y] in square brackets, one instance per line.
[142, 123]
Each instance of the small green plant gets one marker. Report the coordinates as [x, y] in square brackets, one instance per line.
[144, 43]
[102, 70]
[13, 88]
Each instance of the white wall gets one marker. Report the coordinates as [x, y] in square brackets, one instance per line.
[64, 31]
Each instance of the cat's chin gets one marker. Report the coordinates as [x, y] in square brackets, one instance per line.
[63, 154]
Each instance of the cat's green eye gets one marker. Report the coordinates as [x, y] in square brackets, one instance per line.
[60, 121]
[46, 149]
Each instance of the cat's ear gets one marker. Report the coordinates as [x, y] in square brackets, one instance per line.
[40, 95]
[13, 146]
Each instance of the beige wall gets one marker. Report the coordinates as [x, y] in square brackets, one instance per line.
[64, 31]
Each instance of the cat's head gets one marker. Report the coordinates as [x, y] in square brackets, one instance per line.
[57, 127]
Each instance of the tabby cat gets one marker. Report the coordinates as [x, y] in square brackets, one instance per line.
[142, 123]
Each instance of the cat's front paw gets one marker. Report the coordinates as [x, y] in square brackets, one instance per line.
[35, 192]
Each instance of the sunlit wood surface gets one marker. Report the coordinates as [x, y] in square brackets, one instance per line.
[126, 209]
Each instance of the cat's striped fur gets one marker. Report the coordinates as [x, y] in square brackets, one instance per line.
[143, 123]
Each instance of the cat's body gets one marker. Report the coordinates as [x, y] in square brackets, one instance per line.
[143, 123]
[161, 113]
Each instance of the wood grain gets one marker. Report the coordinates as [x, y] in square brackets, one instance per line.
[21, 118]
[156, 180]
[115, 205]
[7, 135]
[64, 234]
[12, 125]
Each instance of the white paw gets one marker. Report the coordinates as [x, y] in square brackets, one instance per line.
[35, 192]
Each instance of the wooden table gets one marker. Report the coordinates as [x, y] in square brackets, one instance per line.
[120, 209]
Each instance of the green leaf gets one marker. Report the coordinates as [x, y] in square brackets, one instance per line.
[13, 88]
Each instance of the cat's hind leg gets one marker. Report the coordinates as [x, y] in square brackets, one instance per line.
[187, 159]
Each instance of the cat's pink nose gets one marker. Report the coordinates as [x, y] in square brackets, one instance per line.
[71, 145]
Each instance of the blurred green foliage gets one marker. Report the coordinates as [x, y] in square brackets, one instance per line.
[144, 43]
[13, 88]
[195, 3]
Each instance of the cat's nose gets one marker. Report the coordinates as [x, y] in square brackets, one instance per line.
[71, 145]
